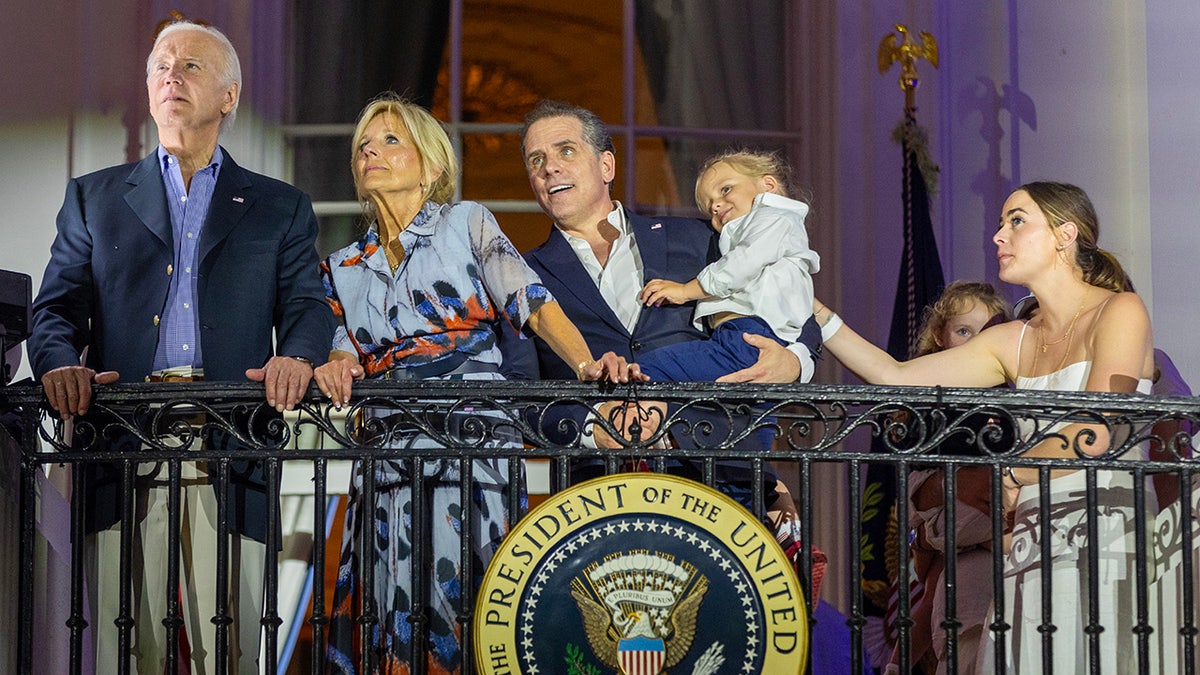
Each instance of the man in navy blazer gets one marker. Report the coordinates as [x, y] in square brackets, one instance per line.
[183, 266]
[595, 261]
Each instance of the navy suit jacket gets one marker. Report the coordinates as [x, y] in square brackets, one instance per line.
[107, 280]
[671, 248]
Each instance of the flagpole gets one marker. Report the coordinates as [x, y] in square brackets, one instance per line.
[894, 589]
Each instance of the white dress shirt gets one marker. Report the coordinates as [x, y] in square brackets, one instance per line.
[620, 281]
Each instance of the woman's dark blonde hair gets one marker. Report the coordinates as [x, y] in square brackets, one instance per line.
[1065, 203]
[437, 154]
[748, 163]
[955, 300]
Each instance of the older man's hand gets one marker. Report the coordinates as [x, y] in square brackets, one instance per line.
[69, 389]
[286, 380]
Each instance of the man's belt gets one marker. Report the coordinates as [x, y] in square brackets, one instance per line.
[179, 374]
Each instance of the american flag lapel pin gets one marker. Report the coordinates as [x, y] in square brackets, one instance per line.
[656, 226]
[239, 200]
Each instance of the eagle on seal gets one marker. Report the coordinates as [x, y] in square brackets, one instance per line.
[604, 635]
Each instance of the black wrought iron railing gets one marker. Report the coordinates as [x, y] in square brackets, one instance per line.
[1145, 438]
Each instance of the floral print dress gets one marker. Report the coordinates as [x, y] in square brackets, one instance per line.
[460, 276]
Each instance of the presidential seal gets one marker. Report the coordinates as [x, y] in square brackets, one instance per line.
[640, 574]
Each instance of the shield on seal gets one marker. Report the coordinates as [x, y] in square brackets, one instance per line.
[641, 656]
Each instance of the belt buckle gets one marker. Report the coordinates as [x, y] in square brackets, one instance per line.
[178, 374]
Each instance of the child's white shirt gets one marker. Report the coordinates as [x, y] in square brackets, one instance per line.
[765, 270]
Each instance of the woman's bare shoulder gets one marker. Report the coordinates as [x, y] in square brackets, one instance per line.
[1123, 309]
[1126, 301]
[1006, 332]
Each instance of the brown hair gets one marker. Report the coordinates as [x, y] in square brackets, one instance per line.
[1065, 203]
[955, 300]
[594, 131]
[437, 154]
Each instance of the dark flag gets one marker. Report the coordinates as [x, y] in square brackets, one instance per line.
[921, 282]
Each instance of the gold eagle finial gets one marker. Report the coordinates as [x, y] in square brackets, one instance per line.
[907, 51]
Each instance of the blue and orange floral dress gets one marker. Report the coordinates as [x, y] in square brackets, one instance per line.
[459, 278]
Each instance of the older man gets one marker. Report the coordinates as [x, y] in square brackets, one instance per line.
[181, 267]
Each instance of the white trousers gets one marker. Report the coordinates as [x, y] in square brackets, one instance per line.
[197, 583]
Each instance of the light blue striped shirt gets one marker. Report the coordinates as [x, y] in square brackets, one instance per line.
[178, 334]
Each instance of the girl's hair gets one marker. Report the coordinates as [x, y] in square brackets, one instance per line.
[955, 300]
[1063, 203]
[749, 163]
[437, 154]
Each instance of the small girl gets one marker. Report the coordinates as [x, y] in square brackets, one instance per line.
[964, 309]
[762, 283]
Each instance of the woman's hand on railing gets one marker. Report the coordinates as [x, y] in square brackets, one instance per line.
[336, 378]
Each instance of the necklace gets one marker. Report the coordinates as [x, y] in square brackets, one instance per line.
[395, 252]
[1065, 336]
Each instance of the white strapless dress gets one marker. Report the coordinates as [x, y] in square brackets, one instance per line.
[1068, 581]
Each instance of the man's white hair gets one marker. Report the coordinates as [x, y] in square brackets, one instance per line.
[230, 69]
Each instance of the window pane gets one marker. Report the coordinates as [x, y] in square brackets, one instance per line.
[518, 53]
[714, 63]
[492, 168]
[336, 232]
[526, 230]
[321, 167]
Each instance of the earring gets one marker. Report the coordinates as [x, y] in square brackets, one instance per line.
[1059, 247]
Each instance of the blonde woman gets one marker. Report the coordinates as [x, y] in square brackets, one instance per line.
[421, 296]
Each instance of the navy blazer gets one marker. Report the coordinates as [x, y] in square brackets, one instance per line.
[106, 284]
[671, 248]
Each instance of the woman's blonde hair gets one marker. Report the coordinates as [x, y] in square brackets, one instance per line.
[748, 163]
[1063, 203]
[955, 300]
[432, 143]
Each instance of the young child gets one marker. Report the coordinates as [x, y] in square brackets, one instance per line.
[762, 283]
[964, 309]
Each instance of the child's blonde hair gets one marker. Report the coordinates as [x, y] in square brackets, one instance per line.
[957, 299]
[748, 163]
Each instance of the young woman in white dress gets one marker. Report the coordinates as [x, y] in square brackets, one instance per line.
[1087, 334]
